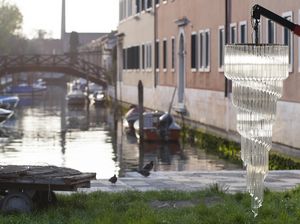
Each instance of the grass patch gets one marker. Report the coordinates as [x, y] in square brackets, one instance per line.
[135, 207]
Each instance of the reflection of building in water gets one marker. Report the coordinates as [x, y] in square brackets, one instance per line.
[77, 118]
[88, 117]
[98, 116]
[164, 153]
[127, 150]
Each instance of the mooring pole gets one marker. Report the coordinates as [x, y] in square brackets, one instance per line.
[141, 108]
[141, 123]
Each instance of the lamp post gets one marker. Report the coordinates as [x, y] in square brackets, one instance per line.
[257, 72]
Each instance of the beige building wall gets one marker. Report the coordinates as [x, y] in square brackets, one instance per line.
[210, 15]
[138, 29]
[201, 16]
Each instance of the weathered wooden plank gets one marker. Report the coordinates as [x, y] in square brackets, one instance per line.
[81, 176]
[43, 177]
[23, 186]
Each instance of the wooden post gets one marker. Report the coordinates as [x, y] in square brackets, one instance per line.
[87, 103]
[141, 107]
[141, 123]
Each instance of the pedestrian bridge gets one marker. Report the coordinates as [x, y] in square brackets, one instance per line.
[66, 63]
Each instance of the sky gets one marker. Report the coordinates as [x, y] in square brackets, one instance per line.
[81, 16]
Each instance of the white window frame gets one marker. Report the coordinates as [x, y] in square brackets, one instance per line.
[165, 40]
[139, 67]
[173, 53]
[289, 14]
[246, 31]
[148, 56]
[260, 32]
[230, 32]
[196, 53]
[130, 69]
[125, 9]
[143, 10]
[156, 5]
[121, 5]
[129, 6]
[207, 69]
[124, 60]
[135, 9]
[202, 55]
[141, 56]
[221, 28]
[149, 9]
[158, 55]
[267, 31]
[201, 50]
[299, 43]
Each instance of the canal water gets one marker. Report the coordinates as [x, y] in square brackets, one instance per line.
[46, 131]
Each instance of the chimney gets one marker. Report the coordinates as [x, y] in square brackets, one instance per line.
[63, 24]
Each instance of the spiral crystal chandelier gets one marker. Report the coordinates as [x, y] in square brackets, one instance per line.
[257, 72]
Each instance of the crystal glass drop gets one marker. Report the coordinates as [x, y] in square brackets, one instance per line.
[257, 73]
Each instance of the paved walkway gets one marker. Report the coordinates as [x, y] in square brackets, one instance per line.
[233, 181]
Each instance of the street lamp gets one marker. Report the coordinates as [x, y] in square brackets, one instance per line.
[257, 72]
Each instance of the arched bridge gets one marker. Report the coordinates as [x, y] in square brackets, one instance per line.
[67, 63]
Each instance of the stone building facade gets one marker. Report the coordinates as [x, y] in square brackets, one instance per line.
[178, 45]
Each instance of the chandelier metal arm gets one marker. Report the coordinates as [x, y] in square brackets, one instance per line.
[258, 11]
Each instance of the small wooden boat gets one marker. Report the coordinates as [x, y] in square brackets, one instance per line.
[159, 126]
[130, 117]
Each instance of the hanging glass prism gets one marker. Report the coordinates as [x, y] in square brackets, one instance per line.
[257, 73]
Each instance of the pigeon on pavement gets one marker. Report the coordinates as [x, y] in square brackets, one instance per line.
[148, 166]
[113, 179]
[143, 172]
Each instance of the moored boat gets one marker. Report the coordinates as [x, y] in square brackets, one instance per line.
[9, 102]
[159, 126]
[27, 90]
[76, 97]
[5, 114]
[130, 117]
[97, 98]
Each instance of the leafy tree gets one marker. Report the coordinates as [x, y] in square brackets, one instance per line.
[10, 23]
[10, 18]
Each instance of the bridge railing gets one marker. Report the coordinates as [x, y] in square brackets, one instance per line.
[70, 61]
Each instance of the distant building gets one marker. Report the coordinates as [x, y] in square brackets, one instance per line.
[179, 44]
[100, 51]
[46, 46]
[84, 38]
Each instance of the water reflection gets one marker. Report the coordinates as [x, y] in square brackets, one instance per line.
[90, 139]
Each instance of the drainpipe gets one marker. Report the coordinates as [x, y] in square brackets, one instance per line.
[227, 36]
[154, 43]
[226, 31]
[120, 65]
